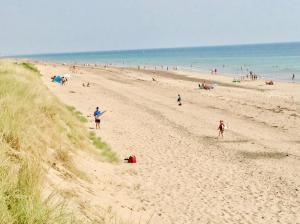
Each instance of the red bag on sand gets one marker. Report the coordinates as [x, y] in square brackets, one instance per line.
[132, 159]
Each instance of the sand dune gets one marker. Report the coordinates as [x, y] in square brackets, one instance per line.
[184, 173]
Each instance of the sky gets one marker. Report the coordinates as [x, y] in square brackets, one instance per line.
[53, 26]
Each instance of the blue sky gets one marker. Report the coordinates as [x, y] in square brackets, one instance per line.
[40, 26]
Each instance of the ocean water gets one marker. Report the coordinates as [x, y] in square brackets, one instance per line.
[271, 61]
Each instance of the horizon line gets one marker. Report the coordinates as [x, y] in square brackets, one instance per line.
[149, 49]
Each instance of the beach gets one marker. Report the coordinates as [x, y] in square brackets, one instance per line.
[184, 172]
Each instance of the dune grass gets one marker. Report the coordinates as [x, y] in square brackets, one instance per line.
[30, 67]
[34, 123]
[78, 114]
[106, 151]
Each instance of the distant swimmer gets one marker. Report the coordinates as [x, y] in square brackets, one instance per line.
[179, 100]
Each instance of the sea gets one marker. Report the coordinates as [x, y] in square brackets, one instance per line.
[276, 61]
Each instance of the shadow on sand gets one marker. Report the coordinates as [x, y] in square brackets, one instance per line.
[263, 155]
[235, 141]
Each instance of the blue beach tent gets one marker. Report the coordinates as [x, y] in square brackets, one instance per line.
[57, 79]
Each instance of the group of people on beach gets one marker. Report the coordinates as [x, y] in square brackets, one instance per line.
[250, 76]
[221, 127]
[97, 113]
[175, 68]
[62, 79]
[86, 85]
[205, 86]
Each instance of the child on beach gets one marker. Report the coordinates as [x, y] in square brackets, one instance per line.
[179, 100]
[221, 128]
[63, 80]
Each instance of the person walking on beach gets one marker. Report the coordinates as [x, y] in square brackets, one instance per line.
[293, 77]
[97, 114]
[179, 100]
[221, 128]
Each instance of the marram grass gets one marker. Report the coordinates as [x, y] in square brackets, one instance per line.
[32, 122]
[105, 150]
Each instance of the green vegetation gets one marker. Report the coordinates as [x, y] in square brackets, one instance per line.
[104, 148]
[78, 114]
[35, 128]
[30, 67]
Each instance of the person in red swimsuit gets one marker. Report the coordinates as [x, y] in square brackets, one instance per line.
[221, 128]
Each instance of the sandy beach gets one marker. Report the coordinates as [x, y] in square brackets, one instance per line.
[184, 173]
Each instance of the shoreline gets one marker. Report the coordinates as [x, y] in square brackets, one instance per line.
[194, 75]
[275, 61]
